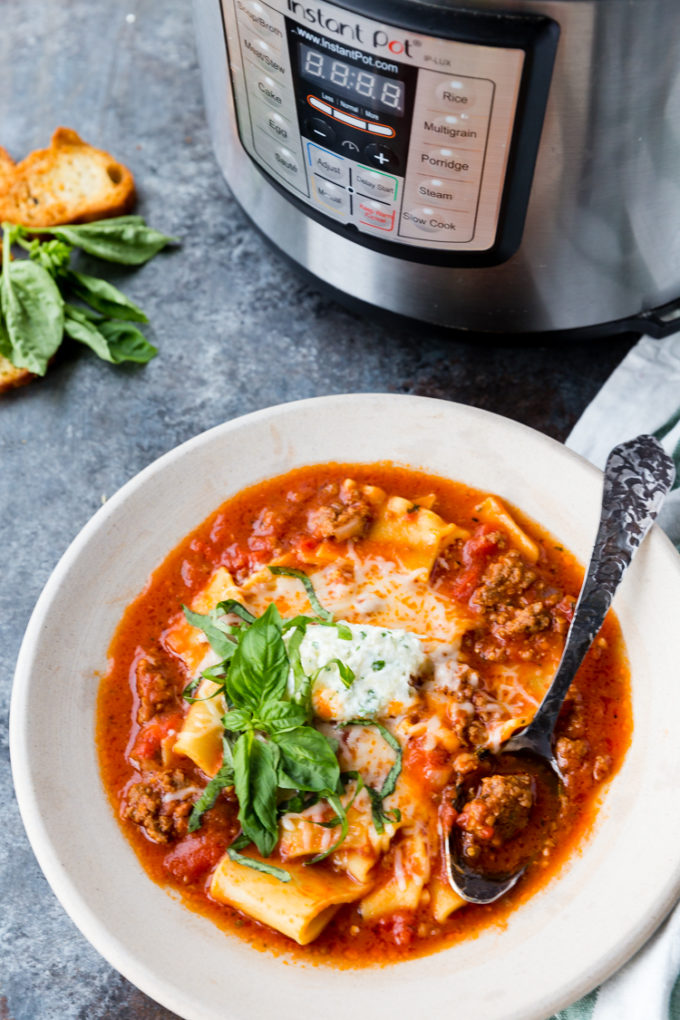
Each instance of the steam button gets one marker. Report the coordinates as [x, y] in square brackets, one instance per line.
[381, 157]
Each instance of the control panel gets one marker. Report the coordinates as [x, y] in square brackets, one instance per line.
[403, 137]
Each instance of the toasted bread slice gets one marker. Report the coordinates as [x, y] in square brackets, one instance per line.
[71, 182]
[7, 169]
[11, 377]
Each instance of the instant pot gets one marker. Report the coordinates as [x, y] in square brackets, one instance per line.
[489, 165]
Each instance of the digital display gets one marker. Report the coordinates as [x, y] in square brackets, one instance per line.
[374, 90]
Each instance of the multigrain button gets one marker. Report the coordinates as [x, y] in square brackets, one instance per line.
[459, 127]
[456, 93]
[331, 195]
[374, 184]
[327, 164]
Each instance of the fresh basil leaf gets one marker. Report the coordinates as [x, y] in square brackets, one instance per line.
[378, 665]
[344, 633]
[347, 675]
[223, 779]
[220, 642]
[308, 586]
[307, 760]
[54, 256]
[190, 688]
[232, 606]
[281, 716]
[297, 803]
[341, 815]
[259, 667]
[252, 862]
[123, 239]
[33, 311]
[237, 720]
[392, 776]
[101, 295]
[216, 673]
[255, 771]
[126, 342]
[80, 327]
[302, 684]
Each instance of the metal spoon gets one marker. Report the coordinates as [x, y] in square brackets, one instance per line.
[637, 477]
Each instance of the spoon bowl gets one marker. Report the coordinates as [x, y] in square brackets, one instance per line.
[637, 477]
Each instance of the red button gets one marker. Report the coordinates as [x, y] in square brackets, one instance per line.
[376, 216]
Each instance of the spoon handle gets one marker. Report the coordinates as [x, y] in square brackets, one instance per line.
[637, 477]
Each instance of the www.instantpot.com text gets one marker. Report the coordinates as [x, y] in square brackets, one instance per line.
[355, 32]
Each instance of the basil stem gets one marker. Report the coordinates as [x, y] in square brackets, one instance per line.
[308, 586]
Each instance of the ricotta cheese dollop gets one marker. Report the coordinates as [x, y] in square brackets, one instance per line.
[383, 662]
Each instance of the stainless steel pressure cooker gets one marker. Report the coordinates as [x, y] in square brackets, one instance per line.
[489, 165]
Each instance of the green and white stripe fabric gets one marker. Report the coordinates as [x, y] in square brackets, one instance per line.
[642, 395]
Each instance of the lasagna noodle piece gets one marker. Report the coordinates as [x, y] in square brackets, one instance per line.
[492, 511]
[415, 534]
[411, 872]
[299, 909]
[201, 735]
[443, 900]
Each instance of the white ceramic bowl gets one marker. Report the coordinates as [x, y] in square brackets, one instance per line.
[567, 938]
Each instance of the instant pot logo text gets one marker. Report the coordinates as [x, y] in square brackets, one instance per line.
[351, 31]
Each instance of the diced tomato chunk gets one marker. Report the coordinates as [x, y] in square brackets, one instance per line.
[151, 736]
[195, 855]
[477, 551]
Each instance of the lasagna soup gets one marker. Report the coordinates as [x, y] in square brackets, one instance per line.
[309, 696]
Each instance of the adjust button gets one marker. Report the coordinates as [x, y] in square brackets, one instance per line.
[327, 164]
[381, 157]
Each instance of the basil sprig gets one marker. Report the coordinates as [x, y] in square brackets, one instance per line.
[37, 293]
[274, 758]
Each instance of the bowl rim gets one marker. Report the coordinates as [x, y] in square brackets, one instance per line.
[63, 884]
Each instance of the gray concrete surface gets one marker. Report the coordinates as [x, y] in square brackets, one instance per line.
[237, 330]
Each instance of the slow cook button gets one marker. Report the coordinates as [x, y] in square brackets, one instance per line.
[261, 19]
[429, 220]
[375, 215]
[374, 184]
[327, 164]
[331, 195]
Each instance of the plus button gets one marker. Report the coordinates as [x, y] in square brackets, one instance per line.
[381, 156]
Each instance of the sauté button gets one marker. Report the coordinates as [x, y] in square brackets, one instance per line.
[381, 157]
[319, 130]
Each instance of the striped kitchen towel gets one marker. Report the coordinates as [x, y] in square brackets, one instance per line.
[642, 395]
